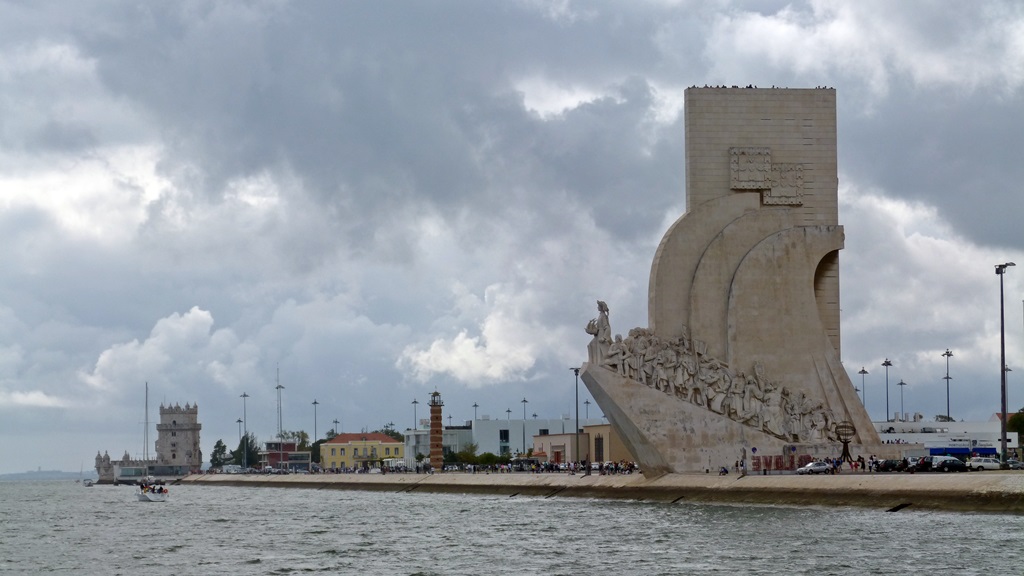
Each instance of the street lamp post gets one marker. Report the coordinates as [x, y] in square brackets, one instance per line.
[587, 412]
[315, 404]
[947, 354]
[336, 431]
[903, 415]
[239, 430]
[280, 429]
[887, 363]
[524, 425]
[864, 389]
[1000, 270]
[415, 422]
[576, 371]
[475, 406]
[508, 414]
[245, 425]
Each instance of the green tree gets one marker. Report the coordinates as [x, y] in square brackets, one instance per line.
[300, 437]
[488, 459]
[392, 433]
[219, 457]
[1015, 423]
[252, 451]
[468, 454]
[315, 449]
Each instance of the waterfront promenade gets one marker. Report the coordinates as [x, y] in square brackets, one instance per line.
[991, 491]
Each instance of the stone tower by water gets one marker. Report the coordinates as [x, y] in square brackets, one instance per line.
[177, 442]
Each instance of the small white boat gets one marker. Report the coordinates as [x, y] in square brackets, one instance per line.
[152, 496]
[150, 492]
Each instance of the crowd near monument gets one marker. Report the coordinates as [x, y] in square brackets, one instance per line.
[740, 364]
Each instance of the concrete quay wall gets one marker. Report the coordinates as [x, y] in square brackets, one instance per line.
[992, 491]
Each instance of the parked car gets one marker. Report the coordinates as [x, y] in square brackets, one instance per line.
[814, 468]
[1015, 464]
[983, 464]
[940, 464]
[890, 466]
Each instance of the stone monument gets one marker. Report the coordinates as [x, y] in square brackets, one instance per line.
[740, 364]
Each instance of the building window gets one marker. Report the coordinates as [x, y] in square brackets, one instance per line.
[503, 436]
[543, 432]
[387, 451]
[174, 456]
[599, 449]
[342, 451]
[173, 433]
[333, 451]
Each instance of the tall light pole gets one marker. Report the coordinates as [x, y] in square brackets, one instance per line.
[336, 431]
[280, 428]
[245, 424]
[315, 404]
[947, 354]
[587, 413]
[239, 430]
[1000, 270]
[576, 371]
[903, 415]
[475, 406]
[887, 363]
[415, 422]
[508, 414]
[524, 425]
[864, 389]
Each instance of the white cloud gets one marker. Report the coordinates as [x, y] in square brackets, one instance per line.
[505, 344]
[874, 44]
[33, 398]
[548, 98]
[179, 345]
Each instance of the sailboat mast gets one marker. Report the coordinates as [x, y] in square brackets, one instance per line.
[145, 433]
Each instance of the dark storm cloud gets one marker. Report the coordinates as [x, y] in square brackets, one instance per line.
[383, 199]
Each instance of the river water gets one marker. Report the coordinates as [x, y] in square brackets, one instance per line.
[62, 527]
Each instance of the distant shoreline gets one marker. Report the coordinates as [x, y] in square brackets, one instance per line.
[999, 492]
[47, 475]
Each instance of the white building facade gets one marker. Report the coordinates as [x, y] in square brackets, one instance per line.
[501, 437]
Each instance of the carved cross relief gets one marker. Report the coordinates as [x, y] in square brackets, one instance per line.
[751, 168]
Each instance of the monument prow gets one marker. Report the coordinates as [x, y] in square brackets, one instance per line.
[740, 366]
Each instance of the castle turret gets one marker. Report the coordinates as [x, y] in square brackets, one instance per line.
[177, 443]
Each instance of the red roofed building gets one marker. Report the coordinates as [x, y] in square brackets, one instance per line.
[365, 450]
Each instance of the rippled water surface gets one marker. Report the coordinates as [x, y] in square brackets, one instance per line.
[61, 527]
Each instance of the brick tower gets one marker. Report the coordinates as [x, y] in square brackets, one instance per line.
[436, 432]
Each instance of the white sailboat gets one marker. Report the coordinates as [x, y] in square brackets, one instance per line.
[149, 490]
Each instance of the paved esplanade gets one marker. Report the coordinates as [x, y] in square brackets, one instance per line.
[1001, 492]
[740, 363]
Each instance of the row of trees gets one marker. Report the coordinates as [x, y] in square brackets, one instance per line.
[468, 455]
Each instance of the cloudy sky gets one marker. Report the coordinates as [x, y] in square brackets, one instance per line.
[379, 200]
